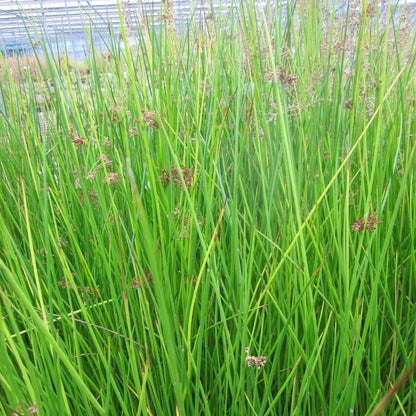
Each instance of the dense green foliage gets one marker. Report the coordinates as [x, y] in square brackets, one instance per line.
[246, 182]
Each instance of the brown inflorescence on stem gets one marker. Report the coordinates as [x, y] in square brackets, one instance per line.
[31, 410]
[187, 225]
[139, 283]
[94, 292]
[361, 224]
[76, 140]
[259, 362]
[112, 179]
[173, 174]
[106, 160]
[149, 118]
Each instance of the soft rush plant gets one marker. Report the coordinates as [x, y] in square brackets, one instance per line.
[241, 184]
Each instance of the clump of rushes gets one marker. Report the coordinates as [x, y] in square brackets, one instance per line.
[193, 190]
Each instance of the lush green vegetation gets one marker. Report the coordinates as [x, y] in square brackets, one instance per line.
[250, 185]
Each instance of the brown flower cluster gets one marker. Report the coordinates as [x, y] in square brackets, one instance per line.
[105, 142]
[91, 175]
[186, 223]
[259, 362]
[76, 140]
[106, 160]
[114, 116]
[361, 224]
[30, 410]
[349, 104]
[172, 174]
[282, 74]
[112, 178]
[44, 254]
[133, 131]
[81, 289]
[92, 196]
[149, 118]
[139, 283]
[111, 218]
[62, 243]
[168, 16]
[287, 78]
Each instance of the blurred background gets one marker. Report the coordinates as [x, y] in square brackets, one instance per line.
[70, 23]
